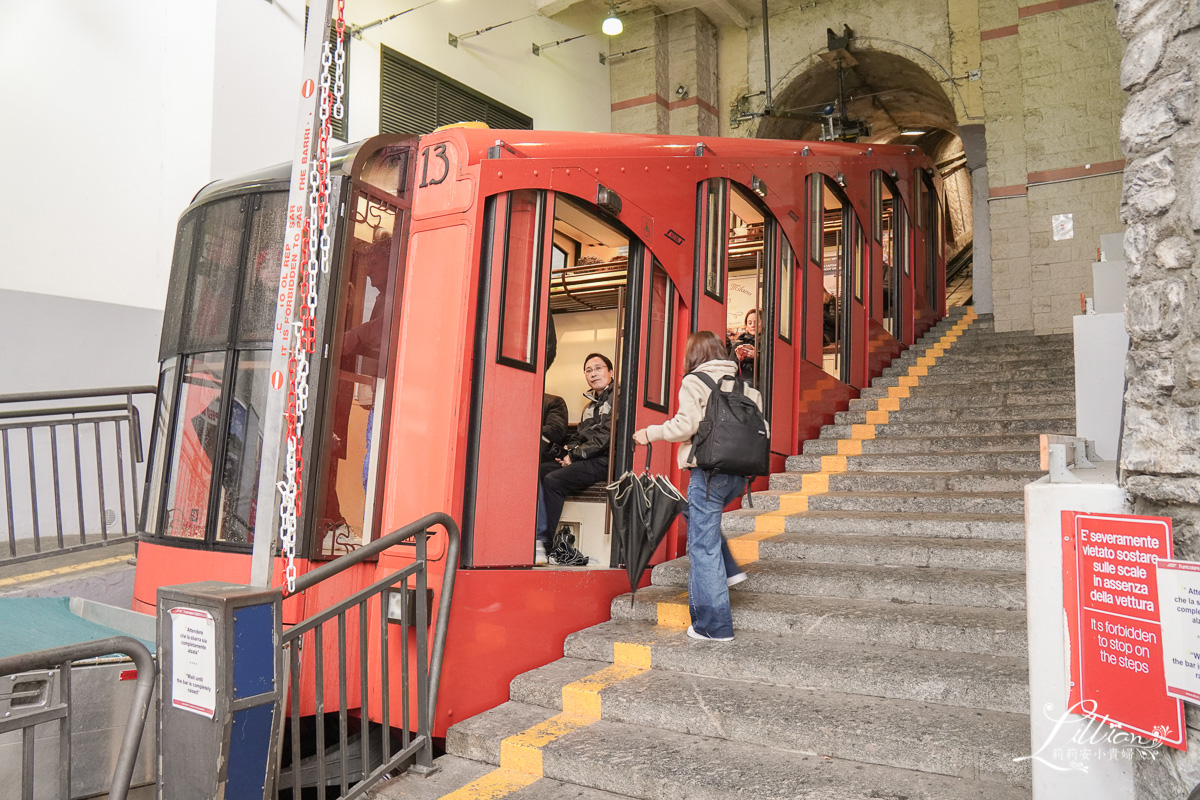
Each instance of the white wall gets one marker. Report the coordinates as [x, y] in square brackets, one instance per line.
[565, 88]
[111, 142]
[119, 111]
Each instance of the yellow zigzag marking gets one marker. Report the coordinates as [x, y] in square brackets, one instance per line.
[745, 548]
[521, 753]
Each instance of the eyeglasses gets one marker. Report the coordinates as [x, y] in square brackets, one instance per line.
[594, 370]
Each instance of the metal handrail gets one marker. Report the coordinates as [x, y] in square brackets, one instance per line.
[421, 745]
[27, 413]
[62, 658]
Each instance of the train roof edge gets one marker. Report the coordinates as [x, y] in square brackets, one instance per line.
[535, 143]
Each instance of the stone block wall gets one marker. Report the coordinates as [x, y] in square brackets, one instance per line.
[1053, 107]
[1160, 456]
[657, 55]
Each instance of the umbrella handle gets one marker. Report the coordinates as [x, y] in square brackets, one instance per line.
[649, 448]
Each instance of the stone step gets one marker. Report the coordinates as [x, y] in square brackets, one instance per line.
[964, 743]
[908, 502]
[1004, 442]
[957, 629]
[925, 462]
[911, 481]
[976, 588]
[879, 523]
[977, 427]
[971, 382]
[988, 361]
[454, 772]
[652, 764]
[996, 683]
[1064, 389]
[943, 396]
[935, 553]
[965, 413]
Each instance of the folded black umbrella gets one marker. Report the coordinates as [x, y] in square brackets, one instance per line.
[643, 507]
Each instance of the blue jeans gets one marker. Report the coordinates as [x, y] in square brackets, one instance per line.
[711, 561]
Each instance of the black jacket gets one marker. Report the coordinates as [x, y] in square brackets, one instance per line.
[594, 432]
[554, 426]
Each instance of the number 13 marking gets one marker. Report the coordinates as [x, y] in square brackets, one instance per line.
[439, 152]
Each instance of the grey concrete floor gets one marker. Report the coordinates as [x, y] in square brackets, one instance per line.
[104, 575]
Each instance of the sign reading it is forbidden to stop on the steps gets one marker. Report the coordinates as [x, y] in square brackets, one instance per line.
[1114, 630]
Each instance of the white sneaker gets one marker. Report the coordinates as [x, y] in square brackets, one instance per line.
[695, 634]
[734, 580]
[539, 553]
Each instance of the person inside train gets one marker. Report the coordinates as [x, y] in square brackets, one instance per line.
[586, 459]
[744, 347]
[829, 315]
[554, 413]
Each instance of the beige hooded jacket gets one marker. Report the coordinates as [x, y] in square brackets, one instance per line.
[693, 402]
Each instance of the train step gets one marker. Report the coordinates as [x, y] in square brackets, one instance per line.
[985, 443]
[935, 427]
[964, 413]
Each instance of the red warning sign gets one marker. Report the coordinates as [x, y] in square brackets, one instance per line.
[307, 88]
[1110, 594]
[277, 380]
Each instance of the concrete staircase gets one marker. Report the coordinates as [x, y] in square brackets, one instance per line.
[880, 646]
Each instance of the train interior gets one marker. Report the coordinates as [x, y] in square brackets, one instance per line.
[588, 275]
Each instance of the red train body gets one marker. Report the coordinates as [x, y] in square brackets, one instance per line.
[453, 250]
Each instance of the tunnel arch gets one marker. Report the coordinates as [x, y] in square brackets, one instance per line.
[901, 101]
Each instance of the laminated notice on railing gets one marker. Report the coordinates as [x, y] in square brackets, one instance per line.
[1179, 599]
[193, 661]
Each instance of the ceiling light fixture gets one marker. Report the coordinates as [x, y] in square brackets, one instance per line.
[612, 24]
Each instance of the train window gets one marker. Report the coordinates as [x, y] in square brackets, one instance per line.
[744, 310]
[885, 227]
[658, 341]
[834, 258]
[164, 412]
[921, 200]
[933, 240]
[521, 279]
[815, 236]
[177, 292]
[359, 380]
[260, 278]
[238, 489]
[214, 270]
[787, 284]
[714, 239]
[905, 240]
[194, 448]
[877, 204]
[860, 247]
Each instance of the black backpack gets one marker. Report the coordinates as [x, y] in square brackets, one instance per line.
[732, 439]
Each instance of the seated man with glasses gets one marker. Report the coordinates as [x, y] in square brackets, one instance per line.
[586, 459]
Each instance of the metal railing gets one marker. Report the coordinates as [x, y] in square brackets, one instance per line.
[37, 713]
[97, 492]
[401, 610]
